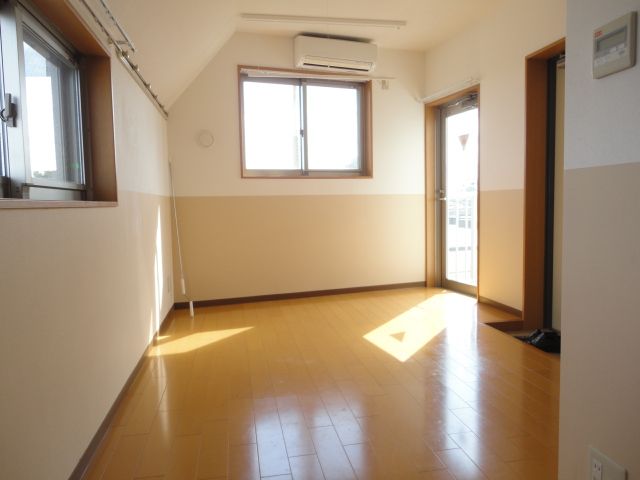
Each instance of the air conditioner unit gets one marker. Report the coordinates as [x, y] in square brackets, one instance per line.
[334, 55]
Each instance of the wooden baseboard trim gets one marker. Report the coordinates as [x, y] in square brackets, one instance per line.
[96, 442]
[294, 295]
[501, 306]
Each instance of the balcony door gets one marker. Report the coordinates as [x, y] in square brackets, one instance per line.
[458, 194]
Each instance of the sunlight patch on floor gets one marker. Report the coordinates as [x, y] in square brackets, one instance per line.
[194, 341]
[407, 333]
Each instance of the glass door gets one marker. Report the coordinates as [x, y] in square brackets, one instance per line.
[458, 195]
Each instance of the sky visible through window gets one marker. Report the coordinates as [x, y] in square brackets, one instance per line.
[273, 121]
[42, 145]
[272, 126]
[332, 125]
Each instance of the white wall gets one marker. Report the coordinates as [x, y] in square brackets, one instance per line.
[600, 385]
[602, 115]
[211, 103]
[82, 290]
[494, 52]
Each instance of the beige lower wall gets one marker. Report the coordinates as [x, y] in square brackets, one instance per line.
[600, 385]
[245, 246]
[81, 292]
[501, 246]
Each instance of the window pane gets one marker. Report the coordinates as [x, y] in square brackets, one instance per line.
[462, 193]
[333, 128]
[271, 126]
[52, 112]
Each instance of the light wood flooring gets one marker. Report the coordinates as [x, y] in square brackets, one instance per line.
[399, 384]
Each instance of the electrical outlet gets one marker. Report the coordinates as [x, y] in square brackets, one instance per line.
[602, 467]
[596, 469]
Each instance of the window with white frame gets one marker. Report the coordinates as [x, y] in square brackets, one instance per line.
[43, 151]
[304, 127]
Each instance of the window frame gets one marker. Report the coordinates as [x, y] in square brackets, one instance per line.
[96, 139]
[65, 52]
[304, 78]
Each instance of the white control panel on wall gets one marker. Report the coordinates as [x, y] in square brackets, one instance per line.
[614, 46]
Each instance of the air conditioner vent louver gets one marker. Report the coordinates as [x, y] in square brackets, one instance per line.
[336, 55]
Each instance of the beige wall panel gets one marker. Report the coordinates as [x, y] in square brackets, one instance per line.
[245, 246]
[501, 246]
[600, 391]
[82, 291]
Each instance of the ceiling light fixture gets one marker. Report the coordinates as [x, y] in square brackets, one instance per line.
[356, 22]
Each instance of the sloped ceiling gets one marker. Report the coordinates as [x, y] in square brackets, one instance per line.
[176, 39]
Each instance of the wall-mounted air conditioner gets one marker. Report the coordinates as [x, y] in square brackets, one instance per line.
[334, 55]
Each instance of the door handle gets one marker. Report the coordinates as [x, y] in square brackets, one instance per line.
[442, 196]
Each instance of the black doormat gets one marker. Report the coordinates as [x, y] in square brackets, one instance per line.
[545, 340]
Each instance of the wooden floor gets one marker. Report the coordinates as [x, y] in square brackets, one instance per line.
[404, 384]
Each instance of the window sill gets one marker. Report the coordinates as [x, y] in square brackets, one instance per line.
[9, 203]
[316, 176]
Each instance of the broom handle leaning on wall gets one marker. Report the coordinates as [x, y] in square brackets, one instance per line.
[175, 216]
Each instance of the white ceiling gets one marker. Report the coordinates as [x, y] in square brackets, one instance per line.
[428, 21]
[176, 39]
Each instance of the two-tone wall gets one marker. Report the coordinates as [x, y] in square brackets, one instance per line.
[82, 291]
[600, 384]
[245, 237]
[493, 51]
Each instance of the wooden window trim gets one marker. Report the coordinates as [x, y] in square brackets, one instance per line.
[367, 141]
